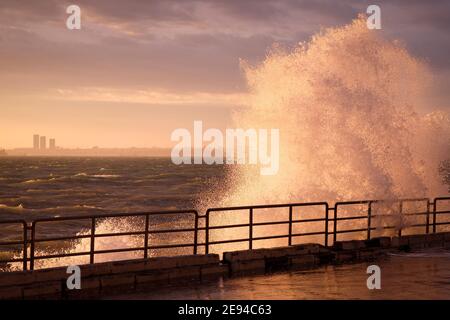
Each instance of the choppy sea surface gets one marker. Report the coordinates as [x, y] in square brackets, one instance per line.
[33, 187]
[41, 187]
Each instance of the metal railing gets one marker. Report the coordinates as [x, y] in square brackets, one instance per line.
[93, 235]
[201, 227]
[251, 224]
[23, 242]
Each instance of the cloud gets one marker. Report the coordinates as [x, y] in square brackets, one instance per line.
[169, 62]
[185, 46]
[146, 96]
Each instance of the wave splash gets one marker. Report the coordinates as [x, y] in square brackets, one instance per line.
[348, 105]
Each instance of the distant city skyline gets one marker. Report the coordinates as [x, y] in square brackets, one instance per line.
[39, 147]
[40, 142]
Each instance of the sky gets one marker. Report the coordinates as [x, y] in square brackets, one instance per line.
[137, 70]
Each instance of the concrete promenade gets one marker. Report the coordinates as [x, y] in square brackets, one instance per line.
[102, 279]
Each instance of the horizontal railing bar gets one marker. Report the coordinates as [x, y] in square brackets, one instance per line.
[340, 203]
[308, 220]
[8, 243]
[100, 235]
[394, 215]
[13, 221]
[86, 253]
[415, 225]
[116, 215]
[350, 218]
[171, 230]
[119, 234]
[62, 238]
[269, 206]
[242, 225]
[52, 256]
[118, 250]
[308, 234]
[384, 227]
[175, 245]
[351, 230]
[265, 238]
[442, 212]
[228, 241]
[414, 199]
[12, 260]
[337, 204]
[271, 237]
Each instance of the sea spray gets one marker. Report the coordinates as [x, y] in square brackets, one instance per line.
[347, 105]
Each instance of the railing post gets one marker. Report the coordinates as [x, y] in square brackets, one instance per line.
[146, 237]
[196, 233]
[250, 230]
[369, 220]
[290, 226]
[25, 246]
[335, 223]
[207, 232]
[33, 235]
[434, 214]
[326, 225]
[427, 229]
[401, 218]
[91, 252]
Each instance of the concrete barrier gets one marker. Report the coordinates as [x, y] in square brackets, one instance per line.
[273, 259]
[100, 278]
[350, 245]
[420, 241]
[382, 242]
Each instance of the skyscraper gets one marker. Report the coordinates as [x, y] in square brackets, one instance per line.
[35, 141]
[52, 144]
[43, 143]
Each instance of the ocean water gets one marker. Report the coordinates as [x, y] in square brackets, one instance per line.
[38, 187]
[34, 187]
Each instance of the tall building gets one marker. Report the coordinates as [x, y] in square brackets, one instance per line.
[43, 143]
[35, 141]
[52, 144]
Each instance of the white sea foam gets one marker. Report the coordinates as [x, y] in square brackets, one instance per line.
[347, 104]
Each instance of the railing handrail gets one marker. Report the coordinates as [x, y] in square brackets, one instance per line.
[268, 206]
[114, 215]
[29, 242]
